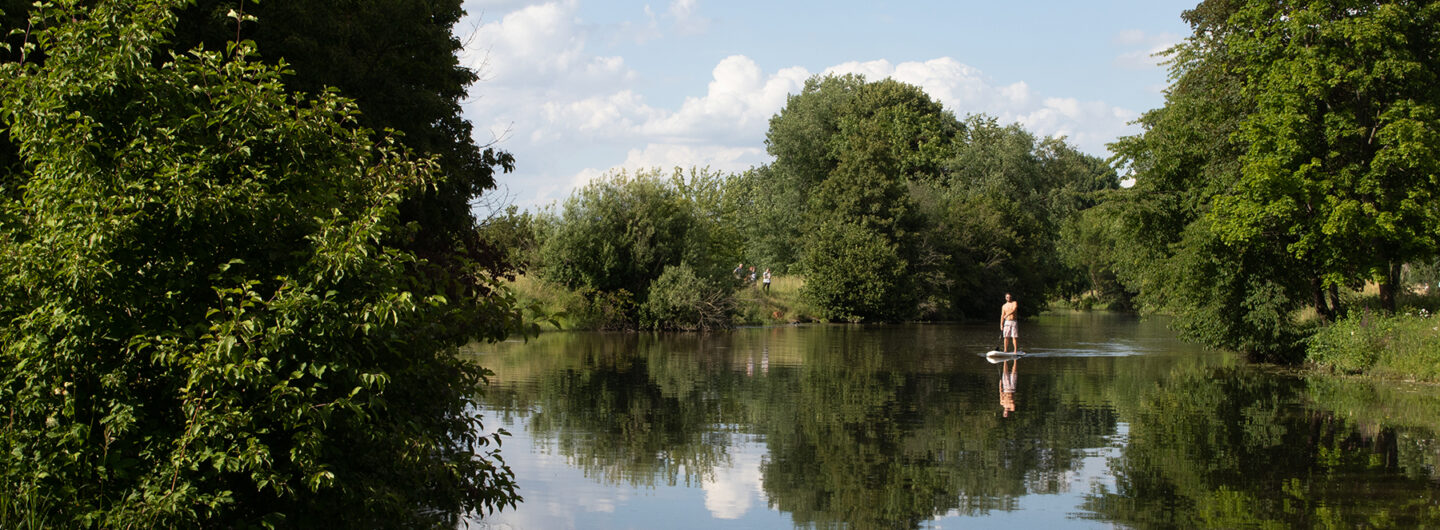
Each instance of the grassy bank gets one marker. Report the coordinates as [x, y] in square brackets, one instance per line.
[782, 304]
[1404, 345]
[754, 306]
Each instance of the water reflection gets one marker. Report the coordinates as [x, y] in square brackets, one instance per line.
[896, 427]
[1007, 385]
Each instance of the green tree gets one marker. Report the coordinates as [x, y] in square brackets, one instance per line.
[799, 135]
[1239, 297]
[679, 299]
[1088, 246]
[959, 212]
[1294, 156]
[850, 148]
[852, 271]
[1342, 149]
[621, 232]
[399, 61]
[201, 320]
[992, 222]
[767, 218]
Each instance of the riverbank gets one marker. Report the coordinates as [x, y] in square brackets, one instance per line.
[1402, 346]
[780, 304]
[566, 309]
[1368, 342]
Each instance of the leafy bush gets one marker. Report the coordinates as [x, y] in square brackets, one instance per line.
[617, 235]
[203, 320]
[850, 273]
[1405, 346]
[681, 300]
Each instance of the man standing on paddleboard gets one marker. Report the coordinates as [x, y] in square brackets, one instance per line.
[1009, 329]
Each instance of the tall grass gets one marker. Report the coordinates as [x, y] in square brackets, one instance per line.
[1404, 345]
[21, 508]
[780, 305]
[566, 309]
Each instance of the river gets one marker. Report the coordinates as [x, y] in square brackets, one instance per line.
[1112, 423]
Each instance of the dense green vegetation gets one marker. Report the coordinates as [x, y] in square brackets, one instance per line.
[1295, 160]
[887, 205]
[1294, 163]
[236, 258]
[214, 307]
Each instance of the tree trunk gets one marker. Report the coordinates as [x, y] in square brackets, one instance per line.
[1318, 290]
[1388, 287]
[1335, 301]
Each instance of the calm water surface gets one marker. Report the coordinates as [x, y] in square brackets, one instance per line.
[1115, 423]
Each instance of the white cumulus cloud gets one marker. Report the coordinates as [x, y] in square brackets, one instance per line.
[561, 96]
[963, 89]
[733, 489]
[1141, 49]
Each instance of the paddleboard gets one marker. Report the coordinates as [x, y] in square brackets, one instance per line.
[996, 356]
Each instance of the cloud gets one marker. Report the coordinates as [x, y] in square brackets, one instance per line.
[607, 114]
[732, 489]
[963, 89]
[1141, 49]
[683, 14]
[737, 105]
[571, 109]
[541, 45]
[717, 157]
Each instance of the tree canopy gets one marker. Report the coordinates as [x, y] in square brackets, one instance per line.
[205, 318]
[913, 213]
[1295, 155]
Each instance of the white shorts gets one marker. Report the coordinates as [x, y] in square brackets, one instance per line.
[1010, 329]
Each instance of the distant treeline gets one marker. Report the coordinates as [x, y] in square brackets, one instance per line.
[1295, 163]
[889, 206]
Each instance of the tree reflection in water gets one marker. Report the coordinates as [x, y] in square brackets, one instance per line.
[892, 427]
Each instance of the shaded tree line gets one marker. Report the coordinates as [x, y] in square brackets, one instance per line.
[229, 293]
[1296, 159]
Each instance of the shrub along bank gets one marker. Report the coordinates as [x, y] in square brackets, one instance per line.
[680, 302]
[1402, 345]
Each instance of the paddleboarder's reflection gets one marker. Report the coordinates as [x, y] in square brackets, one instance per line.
[1007, 386]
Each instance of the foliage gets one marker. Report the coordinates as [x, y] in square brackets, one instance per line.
[399, 61]
[620, 232]
[1087, 245]
[1341, 156]
[849, 147]
[1168, 251]
[799, 135]
[993, 224]
[203, 321]
[1296, 154]
[851, 273]
[962, 211]
[681, 300]
[513, 234]
[767, 217]
[1398, 346]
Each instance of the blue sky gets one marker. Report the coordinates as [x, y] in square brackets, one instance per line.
[576, 89]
